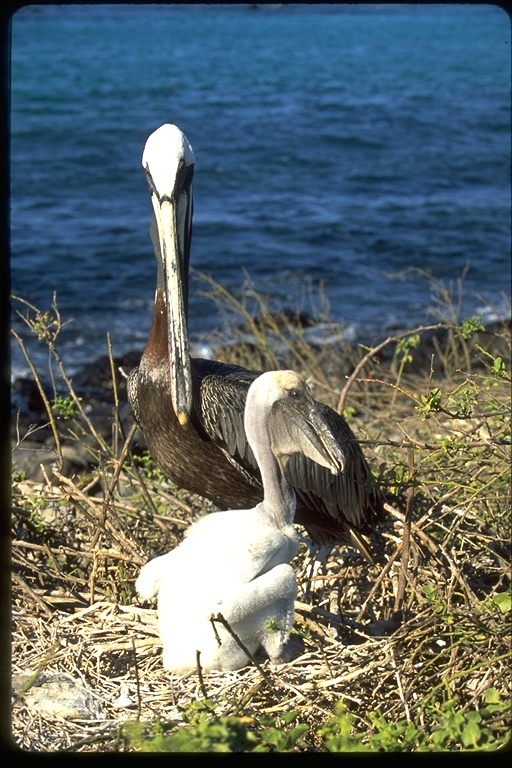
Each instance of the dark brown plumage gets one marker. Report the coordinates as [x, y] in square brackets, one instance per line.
[200, 443]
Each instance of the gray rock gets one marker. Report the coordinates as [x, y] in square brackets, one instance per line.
[56, 694]
[35, 460]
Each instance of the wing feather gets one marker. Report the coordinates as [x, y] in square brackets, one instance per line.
[221, 394]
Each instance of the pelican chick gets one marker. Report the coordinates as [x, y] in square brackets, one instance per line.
[237, 562]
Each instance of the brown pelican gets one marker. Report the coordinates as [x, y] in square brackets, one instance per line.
[237, 563]
[191, 411]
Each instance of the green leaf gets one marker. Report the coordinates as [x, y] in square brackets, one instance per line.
[503, 600]
[492, 696]
[429, 592]
[471, 732]
[470, 326]
[499, 368]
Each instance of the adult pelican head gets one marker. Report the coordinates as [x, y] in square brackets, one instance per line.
[168, 160]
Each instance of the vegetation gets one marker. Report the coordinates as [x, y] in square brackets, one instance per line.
[409, 654]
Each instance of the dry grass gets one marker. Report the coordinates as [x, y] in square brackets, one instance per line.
[444, 461]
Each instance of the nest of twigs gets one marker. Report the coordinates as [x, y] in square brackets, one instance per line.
[75, 614]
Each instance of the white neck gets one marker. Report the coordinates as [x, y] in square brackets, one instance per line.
[279, 498]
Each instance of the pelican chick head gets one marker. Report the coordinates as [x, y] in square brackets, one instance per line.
[293, 420]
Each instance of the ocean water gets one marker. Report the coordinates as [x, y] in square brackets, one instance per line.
[343, 152]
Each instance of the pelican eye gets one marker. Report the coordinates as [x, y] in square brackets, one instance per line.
[151, 183]
[295, 393]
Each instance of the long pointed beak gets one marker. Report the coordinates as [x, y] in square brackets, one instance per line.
[327, 444]
[301, 427]
[171, 216]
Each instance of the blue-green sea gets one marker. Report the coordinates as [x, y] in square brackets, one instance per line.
[343, 154]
